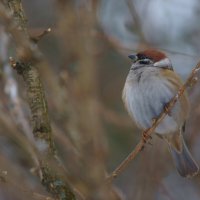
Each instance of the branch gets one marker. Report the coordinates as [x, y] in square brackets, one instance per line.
[148, 132]
[28, 58]
[28, 69]
[18, 14]
[137, 21]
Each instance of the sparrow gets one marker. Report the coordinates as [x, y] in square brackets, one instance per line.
[150, 85]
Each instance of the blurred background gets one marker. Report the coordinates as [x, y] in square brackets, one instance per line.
[84, 68]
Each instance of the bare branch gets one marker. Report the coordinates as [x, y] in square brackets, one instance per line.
[36, 39]
[18, 14]
[137, 21]
[26, 67]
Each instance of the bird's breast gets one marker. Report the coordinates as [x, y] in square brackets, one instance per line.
[145, 95]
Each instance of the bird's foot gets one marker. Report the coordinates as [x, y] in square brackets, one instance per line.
[166, 109]
[146, 137]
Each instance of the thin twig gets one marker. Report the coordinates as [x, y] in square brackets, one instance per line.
[137, 21]
[156, 122]
[37, 38]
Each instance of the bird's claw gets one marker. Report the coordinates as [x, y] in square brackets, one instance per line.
[166, 109]
[146, 136]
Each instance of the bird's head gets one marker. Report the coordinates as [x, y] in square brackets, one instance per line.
[150, 58]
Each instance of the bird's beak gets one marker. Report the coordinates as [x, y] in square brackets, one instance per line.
[133, 57]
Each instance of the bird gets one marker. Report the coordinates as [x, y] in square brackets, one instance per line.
[150, 85]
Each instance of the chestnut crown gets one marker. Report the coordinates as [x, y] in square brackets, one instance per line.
[150, 58]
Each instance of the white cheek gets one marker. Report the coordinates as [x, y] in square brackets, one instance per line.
[163, 63]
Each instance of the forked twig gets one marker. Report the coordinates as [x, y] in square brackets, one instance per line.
[189, 82]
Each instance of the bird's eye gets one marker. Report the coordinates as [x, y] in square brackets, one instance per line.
[145, 61]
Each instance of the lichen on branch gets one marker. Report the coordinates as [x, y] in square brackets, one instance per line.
[37, 103]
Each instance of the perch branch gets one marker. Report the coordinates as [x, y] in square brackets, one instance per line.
[148, 132]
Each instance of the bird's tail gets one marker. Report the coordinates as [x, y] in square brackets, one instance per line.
[183, 160]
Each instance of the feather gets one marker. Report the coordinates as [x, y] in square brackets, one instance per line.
[183, 160]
